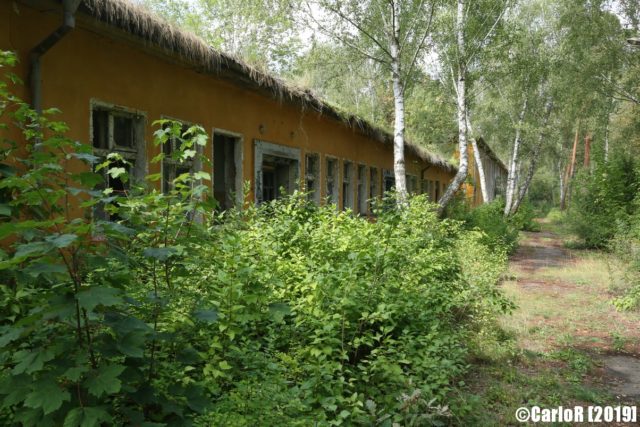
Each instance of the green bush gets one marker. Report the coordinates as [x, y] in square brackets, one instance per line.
[173, 314]
[523, 219]
[602, 200]
[499, 233]
[626, 249]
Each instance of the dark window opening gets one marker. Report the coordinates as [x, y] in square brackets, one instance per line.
[362, 189]
[225, 155]
[123, 132]
[389, 182]
[347, 186]
[278, 177]
[312, 177]
[332, 192]
[373, 187]
[101, 129]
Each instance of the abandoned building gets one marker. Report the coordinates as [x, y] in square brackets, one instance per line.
[112, 68]
[495, 173]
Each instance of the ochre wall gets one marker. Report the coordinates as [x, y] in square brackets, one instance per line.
[90, 64]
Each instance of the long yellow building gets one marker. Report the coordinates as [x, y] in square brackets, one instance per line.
[113, 68]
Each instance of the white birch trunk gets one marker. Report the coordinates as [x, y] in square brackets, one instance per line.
[398, 98]
[534, 162]
[513, 164]
[477, 156]
[463, 167]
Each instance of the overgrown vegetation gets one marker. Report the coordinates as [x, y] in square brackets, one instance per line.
[603, 200]
[172, 314]
[498, 232]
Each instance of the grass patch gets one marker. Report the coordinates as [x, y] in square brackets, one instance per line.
[548, 352]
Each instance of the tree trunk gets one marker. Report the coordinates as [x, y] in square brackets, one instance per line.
[562, 186]
[534, 162]
[513, 164]
[587, 151]
[398, 98]
[570, 169]
[479, 166]
[463, 167]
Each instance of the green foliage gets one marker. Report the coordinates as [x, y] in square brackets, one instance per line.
[603, 200]
[498, 232]
[626, 248]
[172, 314]
[523, 219]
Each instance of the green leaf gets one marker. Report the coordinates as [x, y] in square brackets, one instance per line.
[89, 158]
[278, 310]
[33, 249]
[209, 315]
[99, 295]
[200, 139]
[132, 344]
[35, 270]
[117, 172]
[46, 395]
[62, 240]
[31, 361]
[5, 209]
[188, 154]
[160, 254]
[105, 381]
[202, 175]
[87, 417]
[75, 373]
[12, 335]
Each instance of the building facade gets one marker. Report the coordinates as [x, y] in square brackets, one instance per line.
[119, 68]
[495, 173]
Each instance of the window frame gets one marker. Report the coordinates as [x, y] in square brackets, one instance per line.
[334, 198]
[347, 181]
[136, 156]
[314, 193]
[238, 158]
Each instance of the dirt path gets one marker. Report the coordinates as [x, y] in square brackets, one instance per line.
[564, 299]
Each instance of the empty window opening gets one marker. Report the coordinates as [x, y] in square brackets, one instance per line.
[347, 185]
[437, 195]
[373, 187]
[227, 169]
[277, 170]
[278, 177]
[332, 172]
[312, 177]
[412, 184]
[362, 189]
[424, 188]
[114, 130]
[389, 183]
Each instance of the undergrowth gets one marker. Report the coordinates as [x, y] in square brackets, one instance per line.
[173, 314]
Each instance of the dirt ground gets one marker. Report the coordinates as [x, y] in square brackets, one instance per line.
[564, 301]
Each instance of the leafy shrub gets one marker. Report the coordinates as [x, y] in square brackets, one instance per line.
[603, 200]
[173, 314]
[499, 233]
[523, 219]
[626, 249]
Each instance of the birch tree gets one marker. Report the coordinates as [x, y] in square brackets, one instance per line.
[477, 155]
[475, 24]
[392, 33]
